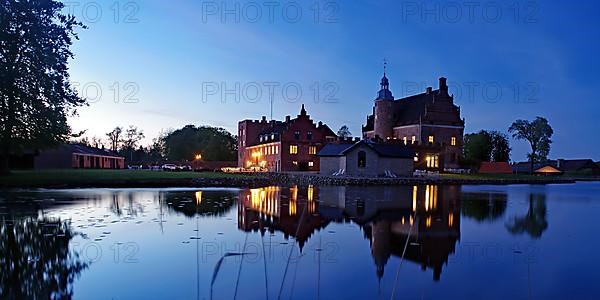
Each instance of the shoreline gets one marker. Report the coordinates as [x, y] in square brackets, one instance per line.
[283, 179]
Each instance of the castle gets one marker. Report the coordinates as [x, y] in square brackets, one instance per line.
[429, 122]
[279, 146]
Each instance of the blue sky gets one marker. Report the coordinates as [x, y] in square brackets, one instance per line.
[175, 52]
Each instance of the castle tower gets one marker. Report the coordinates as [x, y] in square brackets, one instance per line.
[384, 118]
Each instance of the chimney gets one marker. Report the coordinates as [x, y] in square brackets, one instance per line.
[288, 118]
[443, 85]
[264, 119]
[320, 124]
[429, 90]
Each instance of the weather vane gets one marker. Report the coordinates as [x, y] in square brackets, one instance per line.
[384, 65]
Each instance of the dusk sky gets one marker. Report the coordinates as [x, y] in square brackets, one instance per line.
[176, 52]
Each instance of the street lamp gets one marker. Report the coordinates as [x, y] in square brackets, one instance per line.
[198, 156]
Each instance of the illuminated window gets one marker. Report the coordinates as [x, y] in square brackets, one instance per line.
[414, 139]
[405, 139]
[276, 149]
[311, 164]
[312, 150]
[453, 141]
[293, 149]
[295, 163]
[431, 138]
[432, 161]
[362, 159]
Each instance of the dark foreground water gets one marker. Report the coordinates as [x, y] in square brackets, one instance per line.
[413, 242]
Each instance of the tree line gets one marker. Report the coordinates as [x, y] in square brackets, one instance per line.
[185, 144]
[494, 145]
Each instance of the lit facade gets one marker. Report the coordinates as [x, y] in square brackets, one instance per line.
[276, 146]
[429, 122]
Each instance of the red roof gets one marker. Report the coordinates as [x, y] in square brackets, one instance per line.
[495, 168]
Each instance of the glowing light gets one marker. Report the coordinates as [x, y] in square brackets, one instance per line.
[450, 219]
[312, 206]
[427, 198]
[415, 191]
[198, 197]
[198, 156]
[293, 205]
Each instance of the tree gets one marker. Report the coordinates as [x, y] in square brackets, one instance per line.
[500, 147]
[477, 148]
[133, 136]
[35, 94]
[97, 142]
[215, 144]
[538, 133]
[344, 132]
[115, 138]
[486, 146]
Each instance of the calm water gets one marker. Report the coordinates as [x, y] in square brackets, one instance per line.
[421, 242]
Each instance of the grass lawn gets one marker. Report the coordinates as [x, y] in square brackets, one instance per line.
[41, 178]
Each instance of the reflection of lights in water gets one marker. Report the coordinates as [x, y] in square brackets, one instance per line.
[293, 205]
[198, 197]
[428, 222]
[311, 203]
[431, 193]
[427, 198]
[265, 200]
[415, 192]
[450, 219]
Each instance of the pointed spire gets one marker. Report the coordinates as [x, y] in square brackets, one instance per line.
[385, 83]
[384, 92]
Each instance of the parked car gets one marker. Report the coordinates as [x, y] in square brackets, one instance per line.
[185, 168]
[169, 167]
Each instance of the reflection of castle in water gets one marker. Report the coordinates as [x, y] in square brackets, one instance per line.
[292, 211]
[429, 216]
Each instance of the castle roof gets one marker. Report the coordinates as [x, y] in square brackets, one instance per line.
[430, 107]
[382, 149]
